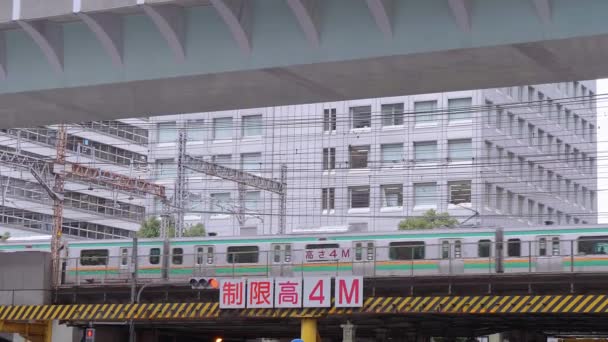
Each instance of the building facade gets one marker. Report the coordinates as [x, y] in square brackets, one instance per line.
[90, 210]
[512, 156]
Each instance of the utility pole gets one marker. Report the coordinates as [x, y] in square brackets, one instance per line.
[180, 182]
[283, 201]
[59, 171]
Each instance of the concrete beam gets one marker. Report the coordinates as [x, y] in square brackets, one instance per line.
[3, 70]
[49, 38]
[461, 9]
[238, 15]
[36, 9]
[108, 28]
[170, 21]
[307, 14]
[543, 9]
[381, 11]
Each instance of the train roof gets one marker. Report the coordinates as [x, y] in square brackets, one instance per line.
[487, 232]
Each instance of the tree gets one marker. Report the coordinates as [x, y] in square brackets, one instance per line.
[196, 230]
[430, 219]
[5, 236]
[150, 228]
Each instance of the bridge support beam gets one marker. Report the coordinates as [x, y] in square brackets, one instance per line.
[308, 330]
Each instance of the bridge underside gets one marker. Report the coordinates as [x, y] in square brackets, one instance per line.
[76, 60]
[529, 63]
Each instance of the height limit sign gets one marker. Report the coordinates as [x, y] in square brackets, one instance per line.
[308, 292]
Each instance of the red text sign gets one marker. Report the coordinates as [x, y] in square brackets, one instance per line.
[348, 292]
[260, 293]
[317, 292]
[232, 293]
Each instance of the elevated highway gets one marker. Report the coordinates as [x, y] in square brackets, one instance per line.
[79, 60]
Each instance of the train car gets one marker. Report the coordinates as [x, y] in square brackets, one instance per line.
[405, 253]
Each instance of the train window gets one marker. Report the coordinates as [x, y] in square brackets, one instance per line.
[542, 246]
[287, 253]
[514, 247]
[358, 251]
[242, 254]
[322, 246]
[94, 257]
[177, 256]
[406, 250]
[209, 255]
[483, 248]
[277, 253]
[555, 246]
[124, 256]
[200, 254]
[445, 250]
[154, 256]
[457, 249]
[593, 245]
[370, 251]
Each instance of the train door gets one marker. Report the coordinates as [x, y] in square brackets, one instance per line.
[281, 260]
[204, 261]
[548, 251]
[451, 259]
[124, 261]
[364, 256]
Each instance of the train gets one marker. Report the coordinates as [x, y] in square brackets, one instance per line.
[452, 251]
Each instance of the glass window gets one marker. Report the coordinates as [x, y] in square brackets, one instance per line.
[252, 126]
[242, 254]
[459, 192]
[329, 119]
[457, 249]
[392, 114]
[329, 158]
[425, 194]
[251, 162]
[361, 117]
[460, 149]
[196, 130]
[459, 109]
[514, 247]
[358, 157]
[359, 196]
[391, 153]
[124, 256]
[276, 254]
[426, 152]
[167, 132]
[392, 195]
[328, 198]
[406, 250]
[252, 198]
[94, 257]
[177, 256]
[483, 248]
[223, 160]
[445, 250]
[222, 128]
[592, 244]
[166, 168]
[322, 246]
[219, 202]
[555, 246]
[542, 246]
[425, 112]
[154, 257]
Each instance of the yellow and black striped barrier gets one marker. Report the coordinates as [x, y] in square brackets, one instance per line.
[449, 305]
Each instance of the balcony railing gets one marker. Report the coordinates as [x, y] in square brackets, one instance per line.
[120, 130]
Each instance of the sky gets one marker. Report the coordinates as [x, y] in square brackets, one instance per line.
[602, 149]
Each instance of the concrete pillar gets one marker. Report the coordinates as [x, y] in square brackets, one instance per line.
[308, 330]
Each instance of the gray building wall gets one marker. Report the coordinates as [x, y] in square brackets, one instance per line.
[294, 135]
